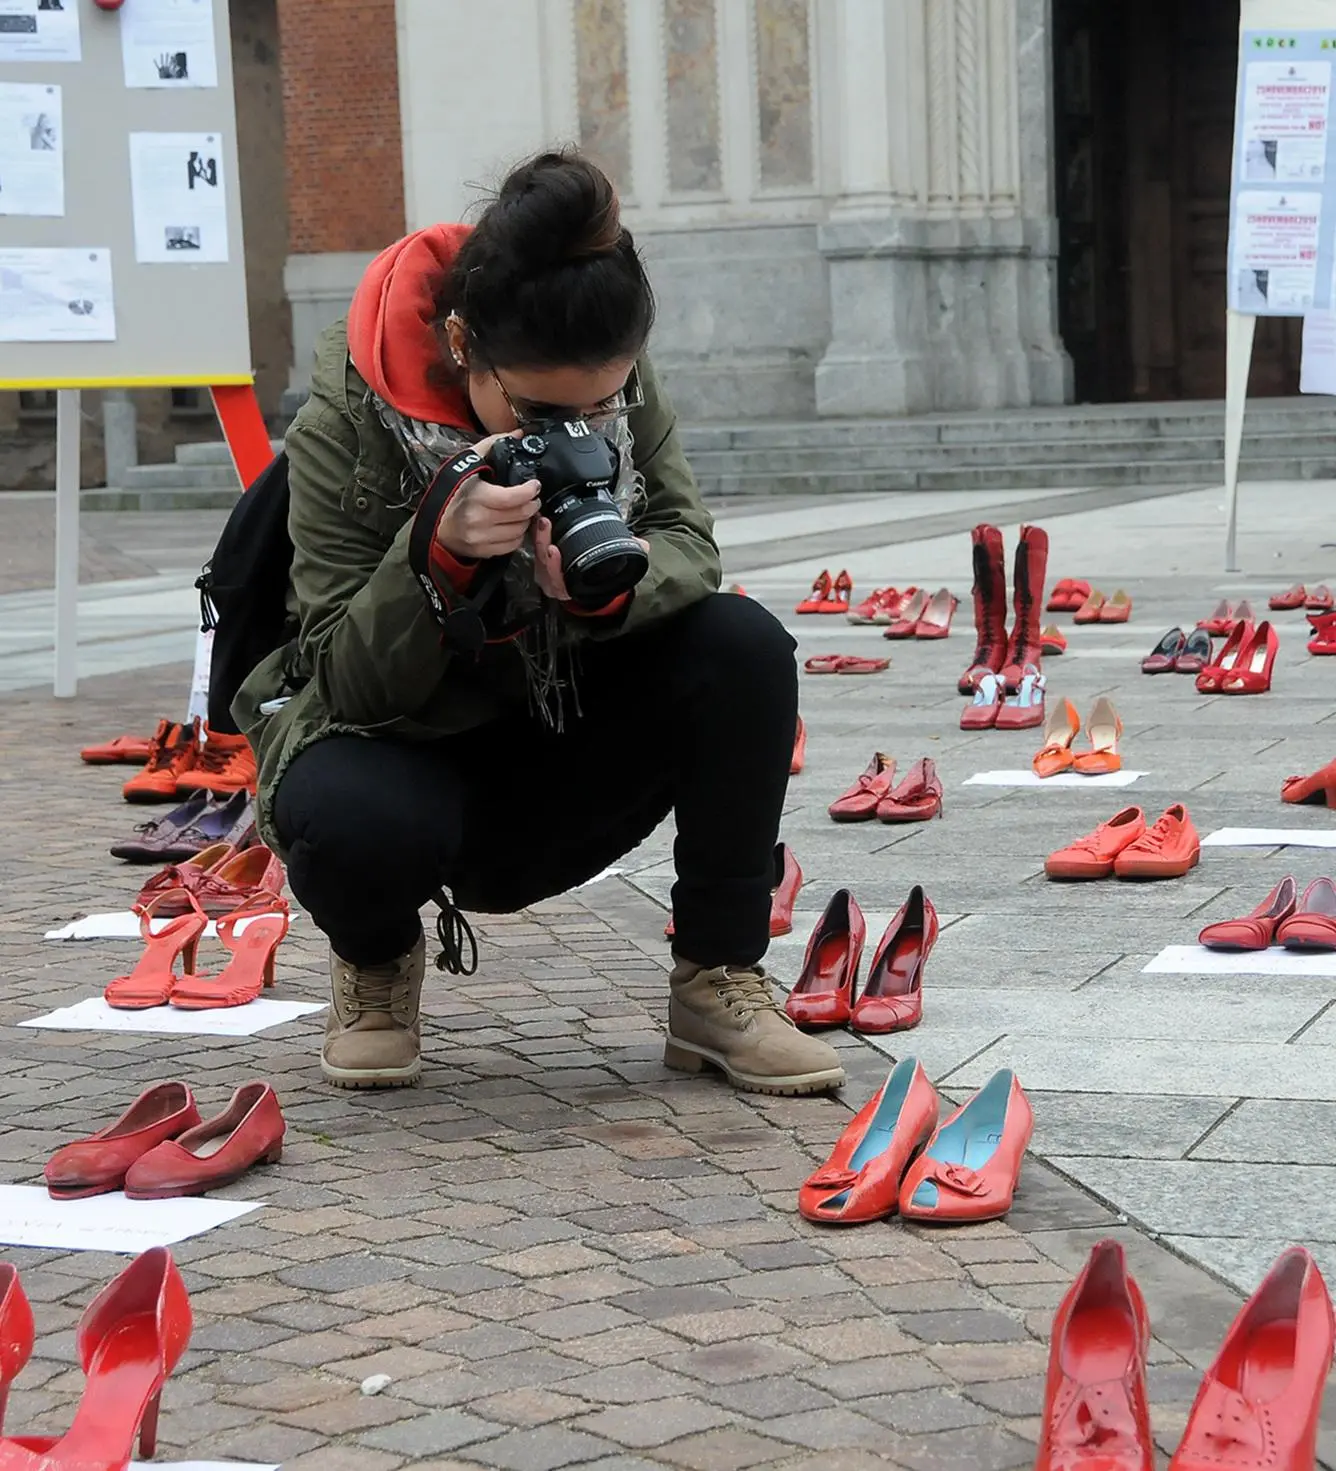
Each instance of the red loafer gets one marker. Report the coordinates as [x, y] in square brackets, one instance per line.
[215, 1152]
[97, 1165]
[1096, 1409]
[892, 999]
[1255, 931]
[918, 798]
[1057, 599]
[823, 994]
[972, 1164]
[1260, 1400]
[859, 803]
[861, 1180]
[1312, 925]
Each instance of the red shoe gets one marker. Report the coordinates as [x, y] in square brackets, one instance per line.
[971, 1166]
[1096, 1410]
[1053, 641]
[860, 1181]
[154, 977]
[225, 764]
[983, 712]
[1211, 678]
[906, 622]
[1168, 849]
[1163, 658]
[173, 883]
[844, 664]
[1294, 597]
[122, 749]
[799, 758]
[1056, 755]
[1195, 654]
[1025, 709]
[1057, 599]
[1318, 789]
[1319, 599]
[1251, 674]
[895, 603]
[823, 994]
[250, 968]
[130, 1339]
[97, 1165]
[173, 753]
[1027, 594]
[1091, 608]
[859, 803]
[935, 620]
[918, 798]
[874, 604]
[1117, 609]
[788, 883]
[990, 608]
[216, 1152]
[1312, 925]
[1093, 856]
[892, 999]
[1260, 1400]
[220, 886]
[1221, 622]
[840, 594]
[1323, 640]
[816, 601]
[1105, 729]
[16, 1331]
[1255, 931]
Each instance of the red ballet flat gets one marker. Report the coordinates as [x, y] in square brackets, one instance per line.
[918, 798]
[1255, 931]
[860, 802]
[860, 1181]
[892, 999]
[1312, 923]
[1319, 599]
[823, 994]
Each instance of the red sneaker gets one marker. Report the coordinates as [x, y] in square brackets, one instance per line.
[172, 754]
[1167, 850]
[225, 764]
[1093, 856]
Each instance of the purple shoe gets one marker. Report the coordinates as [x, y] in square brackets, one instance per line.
[190, 828]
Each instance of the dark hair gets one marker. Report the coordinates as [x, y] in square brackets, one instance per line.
[550, 277]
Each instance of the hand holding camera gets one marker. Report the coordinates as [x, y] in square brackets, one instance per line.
[485, 519]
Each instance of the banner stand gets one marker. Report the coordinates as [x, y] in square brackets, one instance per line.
[1240, 330]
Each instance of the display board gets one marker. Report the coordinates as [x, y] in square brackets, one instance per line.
[121, 259]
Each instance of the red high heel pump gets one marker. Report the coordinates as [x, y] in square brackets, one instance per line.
[130, 1339]
[16, 1331]
[788, 883]
[892, 999]
[251, 967]
[1209, 680]
[823, 994]
[1251, 674]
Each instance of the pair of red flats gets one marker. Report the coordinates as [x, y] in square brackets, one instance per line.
[1259, 1402]
[826, 991]
[829, 595]
[876, 794]
[1316, 600]
[788, 882]
[1068, 594]
[1244, 664]
[129, 1340]
[161, 1147]
[895, 1157]
[919, 616]
[1282, 918]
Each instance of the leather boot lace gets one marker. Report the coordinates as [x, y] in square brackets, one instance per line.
[456, 935]
[374, 988]
[746, 990]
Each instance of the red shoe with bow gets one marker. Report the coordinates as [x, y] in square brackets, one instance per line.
[971, 1166]
[1259, 1403]
[892, 999]
[1096, 1414]
[859, 803]
[861, 1180]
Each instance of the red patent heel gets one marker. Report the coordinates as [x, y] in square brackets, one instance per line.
[892, 999]
[788, 880]
[130, 1339]
[1211, 678]
[251, 967]
[1251, 674]
[823, 994]
[16, 1331]
[154, 978]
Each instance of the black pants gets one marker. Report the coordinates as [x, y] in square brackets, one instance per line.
[694, 716]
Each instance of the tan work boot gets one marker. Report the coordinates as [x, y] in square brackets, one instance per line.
[729, 1017]
[372, 1036]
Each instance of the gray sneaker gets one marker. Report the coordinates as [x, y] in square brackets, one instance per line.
[372, 1038]
[729, 1017]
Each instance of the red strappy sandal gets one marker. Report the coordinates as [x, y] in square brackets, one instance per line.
[251, 967]
[153, 980]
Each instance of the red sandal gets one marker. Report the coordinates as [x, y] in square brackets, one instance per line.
[251, 967]
[153, 980]
[845, 664]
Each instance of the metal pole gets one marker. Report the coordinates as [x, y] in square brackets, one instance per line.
[67, 542]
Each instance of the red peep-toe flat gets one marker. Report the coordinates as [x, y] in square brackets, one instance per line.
[861, 1180]
[892, 999]
[823, 994]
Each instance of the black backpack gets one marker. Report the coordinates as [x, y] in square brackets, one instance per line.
[244, 588]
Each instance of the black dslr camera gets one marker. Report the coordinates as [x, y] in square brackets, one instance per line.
[576, 469]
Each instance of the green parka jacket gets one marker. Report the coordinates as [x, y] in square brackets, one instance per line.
[369, 649]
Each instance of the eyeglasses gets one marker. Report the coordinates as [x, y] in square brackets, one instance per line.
[630, 396]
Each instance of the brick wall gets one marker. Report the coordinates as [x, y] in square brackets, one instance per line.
[341, 116]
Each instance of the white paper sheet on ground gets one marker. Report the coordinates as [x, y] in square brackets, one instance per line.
[56, 294]
[1122, 778]
[1271, 837]
[29, 1217]
[94, 1015]
[124, 925]
[608, 873]
[1197, 960]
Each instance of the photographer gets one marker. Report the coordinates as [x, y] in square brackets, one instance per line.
[471, 715]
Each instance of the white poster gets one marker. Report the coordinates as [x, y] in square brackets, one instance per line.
[56, 295]
[179, 196]
[32, 149]
[1275, 252]
[1285, 109]
[30, 1217]
[168, 43]
[39, 30]
[1317, 372]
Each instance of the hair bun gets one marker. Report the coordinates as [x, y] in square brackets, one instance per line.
[558, 207]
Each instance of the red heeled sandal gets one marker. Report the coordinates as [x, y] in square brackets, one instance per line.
[131, 1337]
[1323, 640]
[251, 967]
[154, 978]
